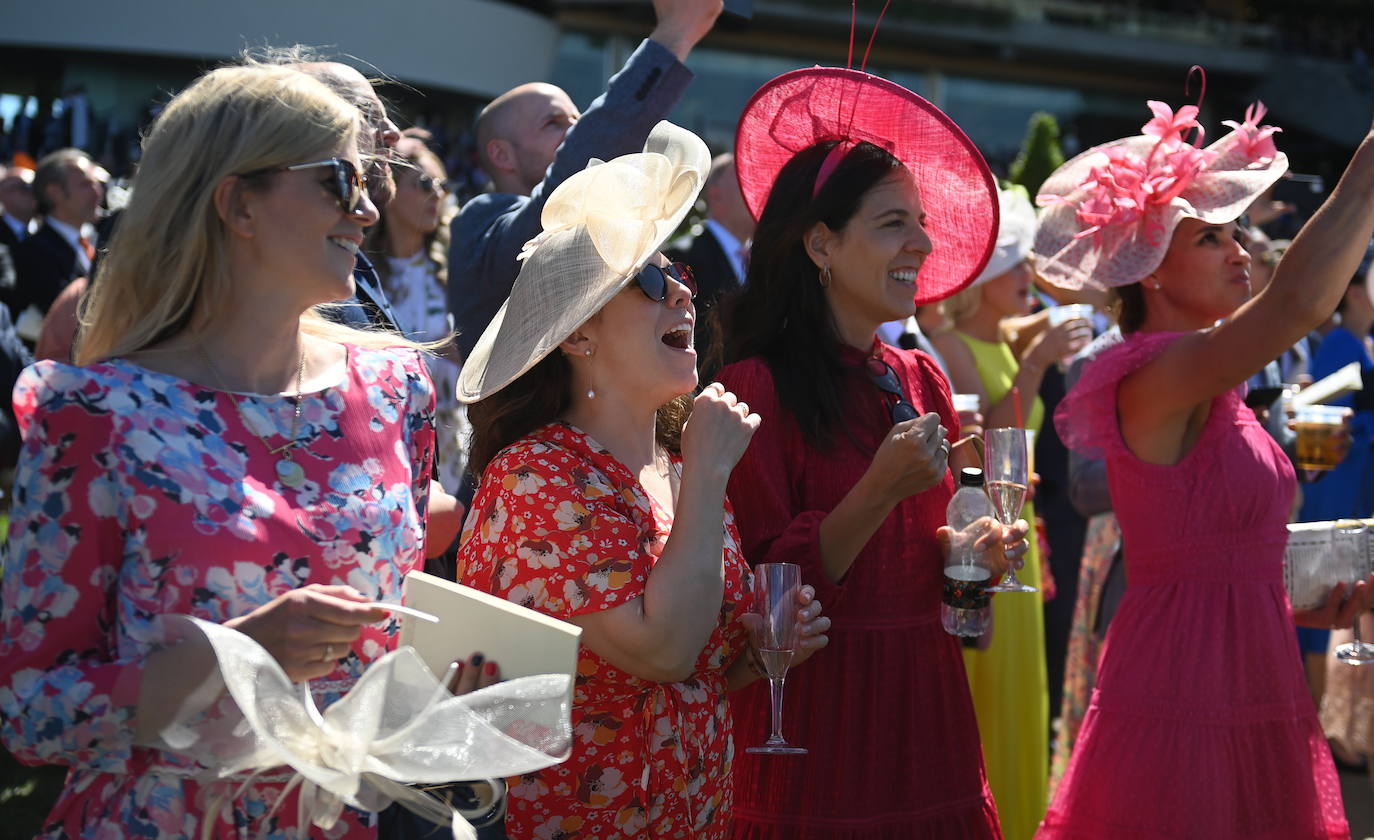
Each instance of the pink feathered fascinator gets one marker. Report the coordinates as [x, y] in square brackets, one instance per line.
[1110, 212]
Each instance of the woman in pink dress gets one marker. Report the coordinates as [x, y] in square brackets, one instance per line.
[1201, 725]
[222, 451]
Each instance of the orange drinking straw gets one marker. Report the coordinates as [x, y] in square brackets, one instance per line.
[1016, 401]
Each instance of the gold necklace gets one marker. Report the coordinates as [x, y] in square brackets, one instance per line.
[289, 472]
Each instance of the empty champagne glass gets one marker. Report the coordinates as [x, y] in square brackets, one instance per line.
[1007, 475]
[1346, 543]
[775, 601]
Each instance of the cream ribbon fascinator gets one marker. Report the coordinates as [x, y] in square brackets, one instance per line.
[397, 726]
[600, 227]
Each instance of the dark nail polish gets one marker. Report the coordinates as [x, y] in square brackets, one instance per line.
[477, 660]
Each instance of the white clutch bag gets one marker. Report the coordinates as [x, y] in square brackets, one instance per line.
[524, 642]
[1322, 554]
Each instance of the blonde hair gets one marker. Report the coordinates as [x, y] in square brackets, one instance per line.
[167, 269]
[961, 305]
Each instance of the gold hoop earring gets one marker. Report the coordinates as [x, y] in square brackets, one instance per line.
[825, 277]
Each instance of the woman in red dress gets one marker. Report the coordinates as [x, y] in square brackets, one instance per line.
[597, 506]
[847, 476]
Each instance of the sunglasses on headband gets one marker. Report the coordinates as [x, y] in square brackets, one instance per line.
[344, 183]
[653, 280]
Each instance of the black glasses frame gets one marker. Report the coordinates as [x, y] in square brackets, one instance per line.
[347, 184]
[881, 374]
[428, 183]
[653, 280]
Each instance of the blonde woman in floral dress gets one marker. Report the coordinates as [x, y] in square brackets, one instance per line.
[220, 451]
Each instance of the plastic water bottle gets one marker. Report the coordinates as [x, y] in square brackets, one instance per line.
[965, 610]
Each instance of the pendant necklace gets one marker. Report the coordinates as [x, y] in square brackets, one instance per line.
[290, 473]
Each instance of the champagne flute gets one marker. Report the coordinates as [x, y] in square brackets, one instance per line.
[1346, 543]
[775, 601]
[1008, 474]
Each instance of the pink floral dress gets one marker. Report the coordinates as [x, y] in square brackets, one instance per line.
[560, 526]
[138, 495]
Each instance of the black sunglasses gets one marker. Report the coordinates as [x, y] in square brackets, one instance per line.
[345, 184]
[653, 280]
[428, 183]
[882, 375]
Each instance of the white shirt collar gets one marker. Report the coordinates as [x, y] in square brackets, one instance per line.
[732, 247]
[73, 237]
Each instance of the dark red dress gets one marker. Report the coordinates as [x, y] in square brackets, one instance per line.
[885, 709]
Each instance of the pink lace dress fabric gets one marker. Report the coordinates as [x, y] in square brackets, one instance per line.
[1201, 725]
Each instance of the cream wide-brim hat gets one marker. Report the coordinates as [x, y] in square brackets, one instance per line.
[601, 226]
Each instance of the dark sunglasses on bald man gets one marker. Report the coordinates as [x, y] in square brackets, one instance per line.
[653, 280]
[344, 182]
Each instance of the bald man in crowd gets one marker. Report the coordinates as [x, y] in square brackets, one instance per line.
[532, 138]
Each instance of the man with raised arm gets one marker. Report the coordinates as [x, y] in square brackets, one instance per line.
[531, 138]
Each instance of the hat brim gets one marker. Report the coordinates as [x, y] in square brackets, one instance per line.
[1220, 194]
[799, 109]
[566, 280]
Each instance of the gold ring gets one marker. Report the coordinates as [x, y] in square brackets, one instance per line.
[328, 653]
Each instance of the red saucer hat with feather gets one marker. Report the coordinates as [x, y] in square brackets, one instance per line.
[804, 107]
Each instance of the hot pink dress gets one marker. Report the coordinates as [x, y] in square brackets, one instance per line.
[1201, 725]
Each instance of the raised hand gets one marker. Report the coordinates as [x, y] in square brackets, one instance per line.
[718, 431]
[683, 23]
[1059, 342]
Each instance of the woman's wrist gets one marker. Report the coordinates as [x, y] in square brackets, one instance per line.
[705, 478]
[868, 500]
[746, 669]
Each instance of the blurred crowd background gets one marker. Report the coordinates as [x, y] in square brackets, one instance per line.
[95, 74]
[1032, 82]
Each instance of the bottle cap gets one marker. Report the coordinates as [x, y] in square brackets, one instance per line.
[970, 477]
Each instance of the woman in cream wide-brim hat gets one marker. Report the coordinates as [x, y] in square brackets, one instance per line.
[1201, 725]
[597, 506]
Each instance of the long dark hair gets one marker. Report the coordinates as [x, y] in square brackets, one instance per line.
[1128, 304]
[782, 314]
[539, 397]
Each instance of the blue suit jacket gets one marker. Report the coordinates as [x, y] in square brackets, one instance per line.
[368, 308]
[492, 228]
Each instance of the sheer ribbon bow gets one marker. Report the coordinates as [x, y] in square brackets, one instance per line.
[628, 206]
[398, 725]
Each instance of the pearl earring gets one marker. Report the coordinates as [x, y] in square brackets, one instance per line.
[591, 392]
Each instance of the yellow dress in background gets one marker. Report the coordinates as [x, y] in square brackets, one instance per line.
[1008, 680]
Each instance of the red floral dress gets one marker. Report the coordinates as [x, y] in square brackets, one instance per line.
[560, 526]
